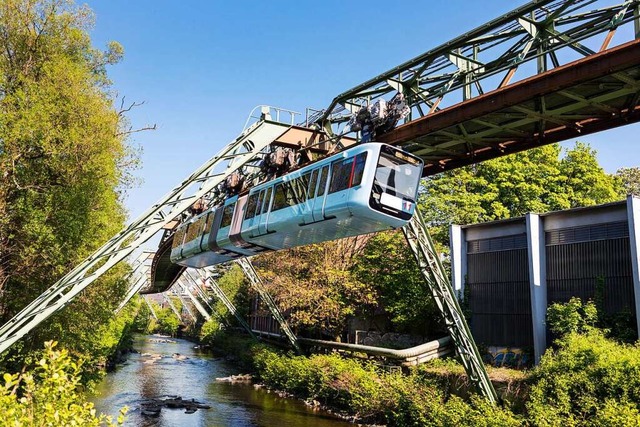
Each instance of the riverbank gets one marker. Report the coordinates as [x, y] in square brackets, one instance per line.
[587, 380]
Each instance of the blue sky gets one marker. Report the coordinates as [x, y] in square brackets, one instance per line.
[201, 67]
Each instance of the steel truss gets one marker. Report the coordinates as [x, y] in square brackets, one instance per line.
[139, 277]
[528, 40]
[185, 289]
[172, 306]
[256, 283]
[439, 284]
[244, 151]
[206, 274]
[153, 312]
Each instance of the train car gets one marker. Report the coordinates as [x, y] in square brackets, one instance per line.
[364, 189]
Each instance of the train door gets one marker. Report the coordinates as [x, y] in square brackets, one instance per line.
[307, 212]
[262, 216]
[321, 194]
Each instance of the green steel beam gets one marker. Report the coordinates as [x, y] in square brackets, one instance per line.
[438, 283]
[488, 57]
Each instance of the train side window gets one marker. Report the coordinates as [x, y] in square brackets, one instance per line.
[267, 200]
[280, 197]
[227, 215]
[194, 230]
[312, 184]
[304, 181]
[260, 201]
[340, 175]
[358, 169]
[207, 226]
[323, 180]
[251, 206]
[178, 237]
[299, 188]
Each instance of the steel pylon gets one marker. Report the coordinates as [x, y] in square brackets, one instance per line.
[139, 277]
[206, 275]
[172, 306]
[438, 282]
[257, 284]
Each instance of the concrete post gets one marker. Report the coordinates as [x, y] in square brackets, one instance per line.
[633, 216]
[537, 283]
[458, 243]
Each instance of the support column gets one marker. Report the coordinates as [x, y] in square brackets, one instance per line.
[205, 273]
[172, 306]
[537, 283]
[153, 312]
[633, 216]
[185, 306]
[256, 282]
[195, 302]
[458, 242]
[437, 281]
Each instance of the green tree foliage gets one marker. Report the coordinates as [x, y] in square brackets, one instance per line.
[210, 332]
[537, 180]
[313, 284]
[372, 396]
[572, 317]
[235, 286]
[64, 164]
[166, 323]
[586, 182]
[387, 263]
[49, 395]
[630, 178]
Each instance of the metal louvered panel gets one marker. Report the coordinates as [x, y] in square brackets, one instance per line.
[499, 297]
[576, 269]
[495, 244]
[587, 233]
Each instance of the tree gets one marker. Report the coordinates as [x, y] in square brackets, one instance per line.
[387, 264]
[630, 178]
[313, 284]
[586, 182]
[49, 394]
[64, 160]
[536, 180]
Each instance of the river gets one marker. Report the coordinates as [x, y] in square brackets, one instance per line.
[141, 378]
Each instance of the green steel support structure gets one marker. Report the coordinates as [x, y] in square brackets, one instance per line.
[437, 280]
[205, 273]
[256, 283]
[244, 151]
[172, 306]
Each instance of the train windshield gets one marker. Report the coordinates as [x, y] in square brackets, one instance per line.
[397, 173]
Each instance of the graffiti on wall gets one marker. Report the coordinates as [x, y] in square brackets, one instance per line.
[508, 357]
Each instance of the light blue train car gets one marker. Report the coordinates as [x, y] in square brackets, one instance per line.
[364, 189]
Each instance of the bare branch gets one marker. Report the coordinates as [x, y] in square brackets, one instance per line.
[124, 109]
[131, 130]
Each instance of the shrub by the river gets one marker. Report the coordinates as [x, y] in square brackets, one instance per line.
[374, 396]
[589, 380]
[49, 395]
[209, 332]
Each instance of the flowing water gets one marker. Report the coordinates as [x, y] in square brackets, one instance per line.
[146, 375]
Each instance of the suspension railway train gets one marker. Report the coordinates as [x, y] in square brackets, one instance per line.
[364, 189]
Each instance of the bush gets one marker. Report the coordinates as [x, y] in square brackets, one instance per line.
[49, 395]
[209, 331]
[372, 396]
[573, 316]
[588, 380]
